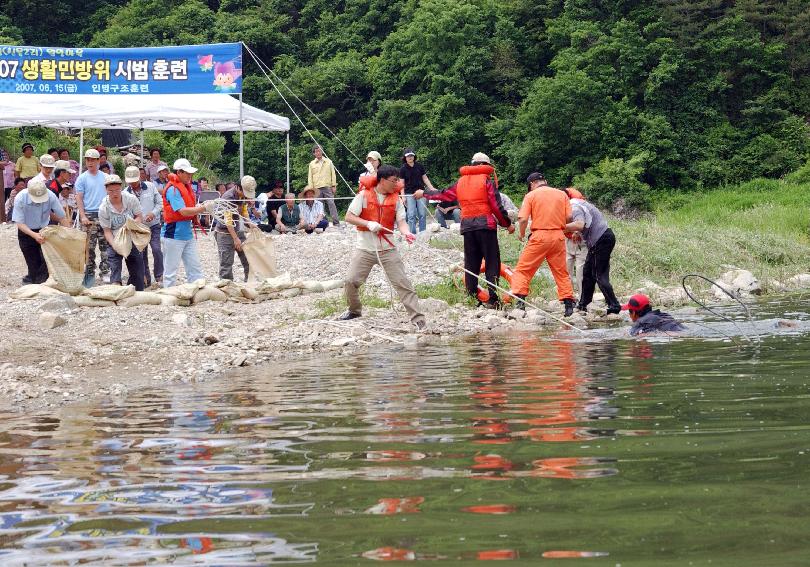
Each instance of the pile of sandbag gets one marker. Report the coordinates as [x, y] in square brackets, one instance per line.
[185, 294]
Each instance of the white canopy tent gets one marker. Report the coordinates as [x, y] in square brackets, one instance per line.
[186, 112]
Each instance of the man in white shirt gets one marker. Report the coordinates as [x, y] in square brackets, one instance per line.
[312, 216]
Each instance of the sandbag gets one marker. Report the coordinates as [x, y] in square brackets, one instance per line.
[185, 291]
[110, 292]
[261, 255]
[290, 292]
[132, 233]
[277, 283]
[209, 293]
[329, 285]
[65, 253]
[142, 298]
[34, 291]
[85, 301]
[311, 287]
[173, 301]
[236, 291]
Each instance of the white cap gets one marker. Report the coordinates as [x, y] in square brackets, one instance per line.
[112, 180]
[480, 157]
[248, 184]
[162, 167]
[92, 153]
[46, 160]
[65, 164]
[38, 191]
[132, 174]
[182, 164]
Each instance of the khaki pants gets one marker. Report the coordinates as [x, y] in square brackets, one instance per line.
[575, 254]
[391, 263]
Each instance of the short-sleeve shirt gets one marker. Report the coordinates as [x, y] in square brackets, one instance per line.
[548, 208]
[367, 240]
[109, 217]
[35, 215]
[180, 230]
[595, 223]
[91, 188]
[412, 176]
[273, 204]
[27, 166]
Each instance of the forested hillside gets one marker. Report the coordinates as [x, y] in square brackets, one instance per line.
[661, 93]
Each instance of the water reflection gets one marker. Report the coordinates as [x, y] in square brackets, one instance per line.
[518, 448]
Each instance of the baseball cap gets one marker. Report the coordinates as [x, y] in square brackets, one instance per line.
[132, 173]
[375, 155]
[162, 167]
[27, 145]
[92, 153]
[112, 180]
[46, 160]
[248, 184]
[480, 157]
[183, 164]
[535, 176]
[64, 164]
[636, 302]
[408, 152]
[38, 191]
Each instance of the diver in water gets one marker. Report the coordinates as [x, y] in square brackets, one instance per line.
[646, 320]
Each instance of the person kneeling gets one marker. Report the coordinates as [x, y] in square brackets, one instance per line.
[374, 211]
[312, 216]
[113, 213]
[288, 215]
[646, 320]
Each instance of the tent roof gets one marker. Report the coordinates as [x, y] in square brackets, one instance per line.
[218, 112]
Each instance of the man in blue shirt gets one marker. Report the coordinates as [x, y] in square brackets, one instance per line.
[179, 210]
[34, 207]
[90, 191]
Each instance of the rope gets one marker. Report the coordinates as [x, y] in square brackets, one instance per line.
[710, 310]
[263, 65]
[304, 126]
[499, 288]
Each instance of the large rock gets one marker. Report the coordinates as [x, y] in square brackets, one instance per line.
[740, 283]
[58, 304]
[51, 320]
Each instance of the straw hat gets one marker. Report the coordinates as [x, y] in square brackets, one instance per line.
[307, 189]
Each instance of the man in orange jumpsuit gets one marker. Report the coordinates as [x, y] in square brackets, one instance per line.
[549, 210]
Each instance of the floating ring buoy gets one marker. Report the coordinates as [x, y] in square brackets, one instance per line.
[506, 273]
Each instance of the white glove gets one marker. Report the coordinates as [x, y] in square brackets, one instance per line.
[210, 206]
[374, 226]
[369, 167]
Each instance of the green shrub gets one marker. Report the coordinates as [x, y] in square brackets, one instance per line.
[615, 178]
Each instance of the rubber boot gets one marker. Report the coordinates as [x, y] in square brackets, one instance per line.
[569, 307]
[520, 303]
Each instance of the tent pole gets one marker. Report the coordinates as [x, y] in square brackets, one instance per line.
[241, 141]
[81, 146]
[142, 162]
[288, 161]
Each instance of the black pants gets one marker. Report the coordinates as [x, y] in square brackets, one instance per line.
[482, 245]
[135, 267]
[32, 252]
[597, 271]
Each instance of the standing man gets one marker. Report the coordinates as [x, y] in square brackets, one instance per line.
[151, 209]
[115, 209]
[321, 177]
[180, 210]
[90, 191]
[230, 234]
[154, 164]
[600, 240]
[46, 167]
[163, 178]
[576, 251]
[374, 211]
[481, 213]
[550, 211]
[34, 208]
[27, 165]
[415, 177]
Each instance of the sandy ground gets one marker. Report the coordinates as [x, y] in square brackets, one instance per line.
[110, 350]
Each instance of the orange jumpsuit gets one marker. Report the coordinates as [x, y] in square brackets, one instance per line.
[549, 210]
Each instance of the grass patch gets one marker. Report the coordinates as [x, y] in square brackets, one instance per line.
[331, 306]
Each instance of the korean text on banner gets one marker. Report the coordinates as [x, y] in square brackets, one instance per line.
[187, 69]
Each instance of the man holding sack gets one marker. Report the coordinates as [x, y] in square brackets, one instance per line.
[113, 213]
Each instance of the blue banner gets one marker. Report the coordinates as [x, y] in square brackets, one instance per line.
[186, 69]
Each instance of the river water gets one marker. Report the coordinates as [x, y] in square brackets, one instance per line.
[531, 448]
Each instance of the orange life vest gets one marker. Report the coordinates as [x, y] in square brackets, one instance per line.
[471, 190]
[169, 214]
[385, 213]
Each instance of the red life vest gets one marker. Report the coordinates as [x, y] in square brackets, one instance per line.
[385, 213]
[169, 214]
[471, 190]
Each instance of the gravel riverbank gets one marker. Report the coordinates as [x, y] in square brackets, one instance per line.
[110, 350]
